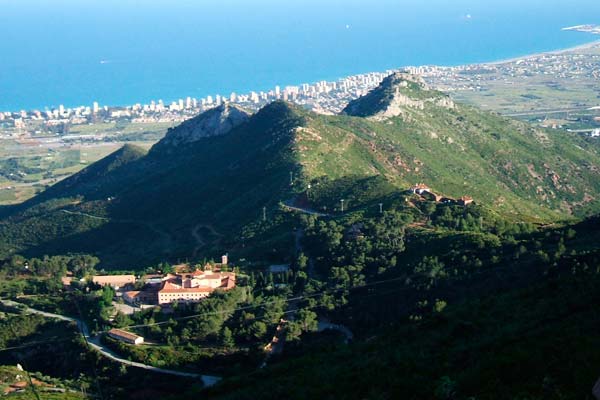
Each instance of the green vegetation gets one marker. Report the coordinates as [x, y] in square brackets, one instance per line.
[534, 343]
[481, 316]
[429, 299]
[209, 195]
[15, 383]
[27, 170]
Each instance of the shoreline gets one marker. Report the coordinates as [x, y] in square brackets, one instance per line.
[585, 46]
[567, 50]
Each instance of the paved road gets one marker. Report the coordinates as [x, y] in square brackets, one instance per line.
[541, 112]
[325, 325]
[94, 342]
[304, 210]
[200, 242]
[596, 390]
[85, 215]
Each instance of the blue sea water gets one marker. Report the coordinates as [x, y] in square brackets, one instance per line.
[119, 52]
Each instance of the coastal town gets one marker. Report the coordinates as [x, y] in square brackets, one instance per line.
[239, 200]
[555, 90]
[466, 82]
[325, 97]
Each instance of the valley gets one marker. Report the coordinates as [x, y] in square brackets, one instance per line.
[449, 246]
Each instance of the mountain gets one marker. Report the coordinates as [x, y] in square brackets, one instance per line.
[205, 186]
[396, 93]
[214, 122]
[97, 180]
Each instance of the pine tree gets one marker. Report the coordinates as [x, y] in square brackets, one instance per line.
[227, 340]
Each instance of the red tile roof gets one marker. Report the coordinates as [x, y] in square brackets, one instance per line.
[113, 279]
[176, 284]
[123, 334]
[420, 186]
[229, 283]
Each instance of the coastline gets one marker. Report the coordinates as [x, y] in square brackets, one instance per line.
[568, 50]
[585, 46]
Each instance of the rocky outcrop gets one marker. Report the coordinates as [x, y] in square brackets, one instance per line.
[397, 93]
[215, 122]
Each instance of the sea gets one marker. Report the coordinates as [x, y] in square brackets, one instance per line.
[121, 52]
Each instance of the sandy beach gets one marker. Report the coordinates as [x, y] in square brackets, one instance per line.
[586, 46]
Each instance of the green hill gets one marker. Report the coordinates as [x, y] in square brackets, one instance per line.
[207, 182]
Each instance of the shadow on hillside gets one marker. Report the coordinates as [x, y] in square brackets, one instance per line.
[122, 245]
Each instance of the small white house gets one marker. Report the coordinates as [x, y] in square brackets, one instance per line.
[125, 336]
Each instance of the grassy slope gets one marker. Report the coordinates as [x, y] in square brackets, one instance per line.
[502, 163]
[224, 182]
[158, 200]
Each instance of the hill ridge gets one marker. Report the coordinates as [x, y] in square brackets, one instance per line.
[397, 92]
[230, 181]
[214, 122]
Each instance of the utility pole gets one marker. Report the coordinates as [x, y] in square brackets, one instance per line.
[264, 214]
[20, 368]
[342, 201]
[291, 178]
[380, 208]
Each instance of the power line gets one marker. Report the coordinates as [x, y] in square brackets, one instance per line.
[287, 300]
[303, 297]
[262, 304]
[31, 344]
[229, 310]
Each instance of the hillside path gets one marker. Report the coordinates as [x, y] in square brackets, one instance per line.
[167, 240]
[200, 242]
[290, 207]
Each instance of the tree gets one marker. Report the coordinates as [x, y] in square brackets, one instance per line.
[302, 261]
[257, 329]
[227, 340]
[273, 309]
[439, 306]
[308, 320]
[300, 282]
[166, 268]
[108, 293]
[121, 320]
[293, 330]
[83, 264]
[186, 334]
[428, 207]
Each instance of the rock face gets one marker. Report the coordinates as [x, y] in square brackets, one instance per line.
[215, 122]
[394, 95]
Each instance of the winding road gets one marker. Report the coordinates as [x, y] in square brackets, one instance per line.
[290, 207]
[326, 325]
[94, 343]
[200, 242]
